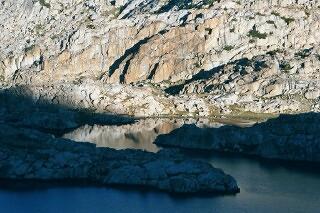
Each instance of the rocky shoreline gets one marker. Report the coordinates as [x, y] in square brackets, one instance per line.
[65, 64]
[288, 137]
[31, 149]
[31, 155]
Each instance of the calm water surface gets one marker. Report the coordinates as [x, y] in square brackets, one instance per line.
[265, 186]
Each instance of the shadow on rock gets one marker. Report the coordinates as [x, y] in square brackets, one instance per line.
[23, 110]
[288, 137]
[30, 152]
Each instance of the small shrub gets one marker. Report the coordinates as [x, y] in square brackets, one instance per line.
[304, 53]
[287, 20]
[27, 49]
[285, 66]
[228, 48]
[273, 52]
[91, 26]
[44, 3]
[254, 33]
[270, 22]
[275, 13]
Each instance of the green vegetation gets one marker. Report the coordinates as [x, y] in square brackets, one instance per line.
[286, 19]
[260, 14]
[270, 22]
[198, 64]
[44, 3]
[254, 33]
[210, 2]
[285, 66]
[303, 53]
[117, 11]
[91, 26]
[273, 52]
[238, 113]
[27, 49]
[186, 4]
[275, 13]
[39, 29]
[228, 48]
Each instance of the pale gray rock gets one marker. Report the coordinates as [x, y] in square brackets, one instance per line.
[164, 54]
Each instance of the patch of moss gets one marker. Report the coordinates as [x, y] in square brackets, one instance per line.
[228, 48]
[270, 22]
[285, 66]
[303, 53]
[287, 20]
[27, 49]
[254, 33]
[44, 3]
[91, 26]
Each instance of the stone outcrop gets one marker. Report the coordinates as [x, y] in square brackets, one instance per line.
[223, 56]
[288, 137]
[31, 149]
[27, 154]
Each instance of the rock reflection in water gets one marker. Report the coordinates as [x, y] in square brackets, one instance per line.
[139, 135]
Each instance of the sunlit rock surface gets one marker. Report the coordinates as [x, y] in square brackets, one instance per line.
[192, 58]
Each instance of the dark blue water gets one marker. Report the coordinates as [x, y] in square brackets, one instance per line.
[265, 187]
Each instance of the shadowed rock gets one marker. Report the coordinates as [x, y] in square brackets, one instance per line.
[288, 137]
[29, 151]
[31, 155]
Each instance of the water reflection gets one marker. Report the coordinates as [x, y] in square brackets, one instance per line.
[266, 186]
[141, 134]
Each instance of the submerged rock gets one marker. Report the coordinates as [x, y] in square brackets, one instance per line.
[27, 154]
[288, 137]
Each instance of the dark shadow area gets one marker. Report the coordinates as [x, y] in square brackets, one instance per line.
[185, 5]
[31, 153]
[41, 185]
[127, 55]
[288, 137]
[21, 110]
[267, 164]
[239, 66]
[202, 75]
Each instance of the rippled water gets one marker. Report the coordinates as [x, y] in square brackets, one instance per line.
[265, 186]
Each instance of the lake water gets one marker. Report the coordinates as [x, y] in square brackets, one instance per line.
[265, 186]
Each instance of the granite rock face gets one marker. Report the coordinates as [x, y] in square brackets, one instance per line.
[288, 137]
[152, 57]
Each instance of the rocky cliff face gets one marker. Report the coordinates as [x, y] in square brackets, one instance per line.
[164, 57]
